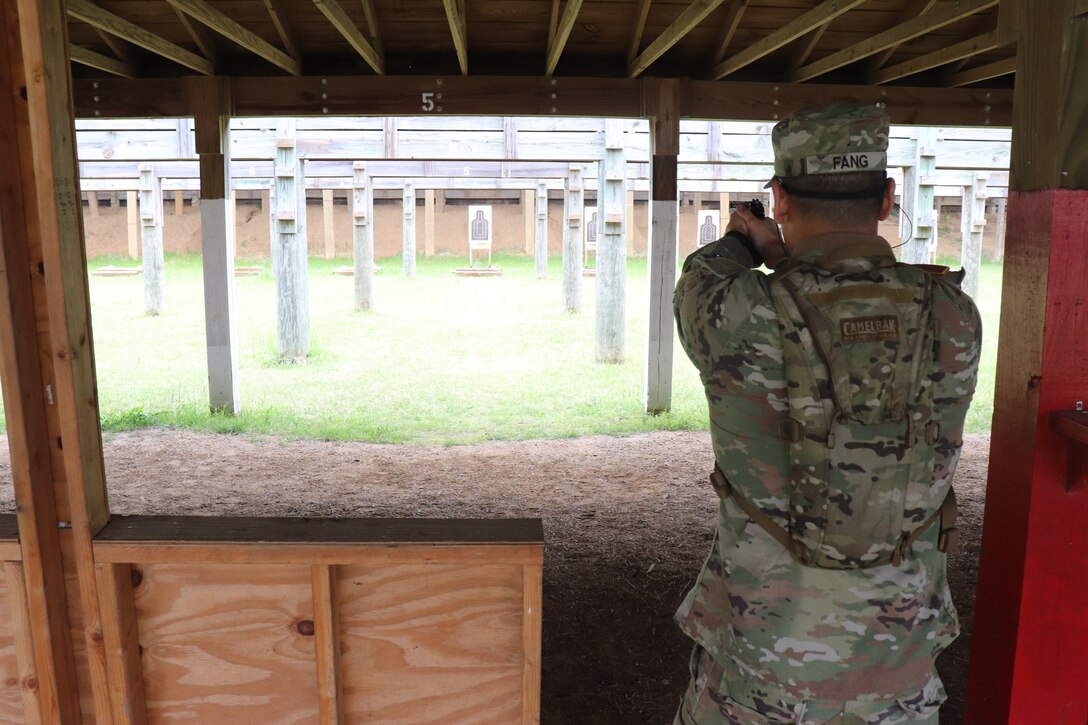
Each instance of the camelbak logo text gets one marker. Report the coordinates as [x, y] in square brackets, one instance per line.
[869, 329]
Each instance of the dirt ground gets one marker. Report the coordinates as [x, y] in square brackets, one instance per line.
[627, 522]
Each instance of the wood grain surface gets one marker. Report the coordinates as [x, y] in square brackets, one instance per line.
[224, 644]
[432, 643]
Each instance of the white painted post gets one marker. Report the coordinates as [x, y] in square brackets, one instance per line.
[973, 221]
[289, 248]
[630, 223]
[408, 262]
[217, 254]
[151, 238]
[541, 230]
[329, 229]
[573, 200]
[428, 222]
[919, 203]
[362, 238]
[664, 225]
[611, 248]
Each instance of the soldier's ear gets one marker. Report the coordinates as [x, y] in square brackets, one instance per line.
[782, 202]
[889, 199]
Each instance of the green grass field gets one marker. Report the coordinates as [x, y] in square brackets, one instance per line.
[442, 359]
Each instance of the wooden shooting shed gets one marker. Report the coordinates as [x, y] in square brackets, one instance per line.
[219, 620]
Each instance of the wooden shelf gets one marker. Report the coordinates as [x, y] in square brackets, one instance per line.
[134, 539]
[1073, 424]
[9, 538]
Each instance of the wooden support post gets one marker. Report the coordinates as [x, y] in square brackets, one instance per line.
[47, 362]
[573, 213]
[408, 254]
[92, 203]
[326, 212]
[179, 203]
[289, 248]
[972, 222]
[132, 207]
[528, 213]
[630, 223]
[663, 244]
[428, 222]
[999, 241]
[266, 201]
[1029, 640]
[330, 688]
[362, 211]
[612, 247]
[541, 230]
[151, 239]
[210, 102]
[122, 644]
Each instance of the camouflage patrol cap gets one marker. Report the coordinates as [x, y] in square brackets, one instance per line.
[832, 139]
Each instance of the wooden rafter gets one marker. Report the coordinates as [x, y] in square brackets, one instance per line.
[915, 9]
[692, 15]
[91, 14]
[372, 25]
[893, 36]
[202, 38]
[283, 28]
[825, 12]
[805, 46]
[340, 20]
[455, 14]
[222, 24]
[637, 30]
[983, 72]
[91, 59]
[553, 22]
[1080, 8]
[562, 33]
[120, 48]
[733, 15]
[957, 51]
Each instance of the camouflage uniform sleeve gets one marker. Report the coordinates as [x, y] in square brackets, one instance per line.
[715, 296]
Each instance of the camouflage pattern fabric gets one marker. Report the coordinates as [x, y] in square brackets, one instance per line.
[839, 138]
[782, 631]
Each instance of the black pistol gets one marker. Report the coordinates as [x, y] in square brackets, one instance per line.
[755, 206]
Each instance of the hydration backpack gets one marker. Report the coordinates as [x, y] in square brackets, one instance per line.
[859, 349]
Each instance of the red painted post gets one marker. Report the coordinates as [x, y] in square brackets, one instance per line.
[1030, 630]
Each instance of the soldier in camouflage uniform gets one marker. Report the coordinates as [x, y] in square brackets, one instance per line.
[796, 617]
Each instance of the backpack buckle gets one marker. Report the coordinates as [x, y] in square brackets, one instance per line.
[948, 540]
[933, 432]
[791, 430]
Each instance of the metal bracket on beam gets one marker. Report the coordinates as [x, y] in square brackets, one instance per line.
[1073, 425]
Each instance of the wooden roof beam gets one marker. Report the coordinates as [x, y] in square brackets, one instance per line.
[202, 38]
[692, 15]
[340, 20]
[805, 47]
[372, 25]
[825, 12]
[222, 24]
[916, 8]
[91, 59]
[637, 30]
[983, 72]
[733, 15]
[102, 19]
[562, 33]
[120, 48]
[455, 14]
[901, 33]
[958, 51]
[283, 28]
